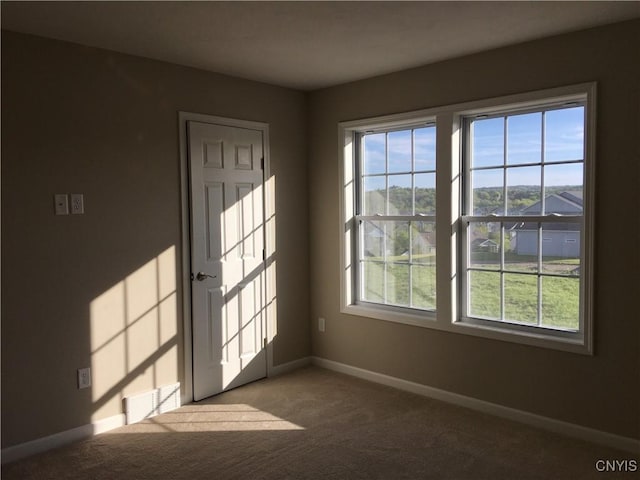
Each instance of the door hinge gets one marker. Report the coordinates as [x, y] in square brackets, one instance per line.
[264, 342]
[262, 163]
[264, 255]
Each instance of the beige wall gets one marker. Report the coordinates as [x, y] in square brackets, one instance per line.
[102, 289]
[602, 391]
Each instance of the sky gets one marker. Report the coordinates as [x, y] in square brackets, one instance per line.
[563, 141]
[400, 151]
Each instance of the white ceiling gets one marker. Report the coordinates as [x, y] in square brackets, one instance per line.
[306, 45]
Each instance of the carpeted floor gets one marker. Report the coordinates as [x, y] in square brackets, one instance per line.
[317, 424]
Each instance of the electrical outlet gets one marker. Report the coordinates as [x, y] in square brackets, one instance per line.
[61, 203]
[84, 377]
[321, 324]
[77, 203]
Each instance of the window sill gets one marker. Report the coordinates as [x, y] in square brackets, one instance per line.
[543, 338]
[419, 318]
[536, 337]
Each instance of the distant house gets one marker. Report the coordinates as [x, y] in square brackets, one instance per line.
[484, 245]
[558, 239]
[374, 244]
[423, 242]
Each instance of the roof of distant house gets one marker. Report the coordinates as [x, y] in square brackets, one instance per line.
[571, 199]
[574, 196]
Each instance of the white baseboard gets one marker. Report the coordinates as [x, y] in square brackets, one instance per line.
[26, 449]
[289, 366]
[565, 428]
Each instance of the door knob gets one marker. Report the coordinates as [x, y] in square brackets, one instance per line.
[200, 276]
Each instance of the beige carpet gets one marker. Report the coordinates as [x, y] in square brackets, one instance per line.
[317, 424]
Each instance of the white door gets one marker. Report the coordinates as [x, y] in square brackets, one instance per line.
[227, 265]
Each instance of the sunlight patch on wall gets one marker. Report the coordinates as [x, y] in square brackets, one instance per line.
[134, 335]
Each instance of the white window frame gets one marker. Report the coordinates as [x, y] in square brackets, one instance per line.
[351, 132]
[449, 261]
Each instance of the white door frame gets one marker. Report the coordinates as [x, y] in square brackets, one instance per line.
[186, 394]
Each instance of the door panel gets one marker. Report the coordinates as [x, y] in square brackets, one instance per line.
[227, 243]
[214, 214]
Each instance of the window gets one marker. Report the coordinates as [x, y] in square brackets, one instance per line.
[395, 213]
[523, 178]
[514, 218]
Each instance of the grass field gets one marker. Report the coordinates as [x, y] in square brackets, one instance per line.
[423, 284]
[415, 286]
[559, 302]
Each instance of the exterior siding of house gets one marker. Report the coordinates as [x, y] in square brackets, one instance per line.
[557, 243]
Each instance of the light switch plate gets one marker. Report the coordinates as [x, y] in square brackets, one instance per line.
[61, 203]
[77, 203]
[84, 377]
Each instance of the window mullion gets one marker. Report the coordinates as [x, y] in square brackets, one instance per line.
[505, 206]
[502, 315]
[357, 247]
[410, 274]
[539, 268]
[467, 209]
[543, 206]
[413, 212]
[385, 265]
[543, 210]
[505, 152]
[413, 176]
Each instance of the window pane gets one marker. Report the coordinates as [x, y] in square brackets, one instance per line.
[563, 188]
[522, 254]
[373, 239]
[524, 138]
[487, 142]
[424, 147]
[425, 190]
[521, 298]
[523, 191]
[400, 195]
[564, 135]
[484, 245]
[484, 294]
[389, 249]
[560, 302]
[488, 191]
[561, 248]
[423, 286]
[375, 196]
[423, 243]
[397, 235]
[399, 151]
[374, 153]
[372, 274]
[398, 284]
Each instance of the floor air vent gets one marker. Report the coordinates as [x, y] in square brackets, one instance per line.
[152, 403]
